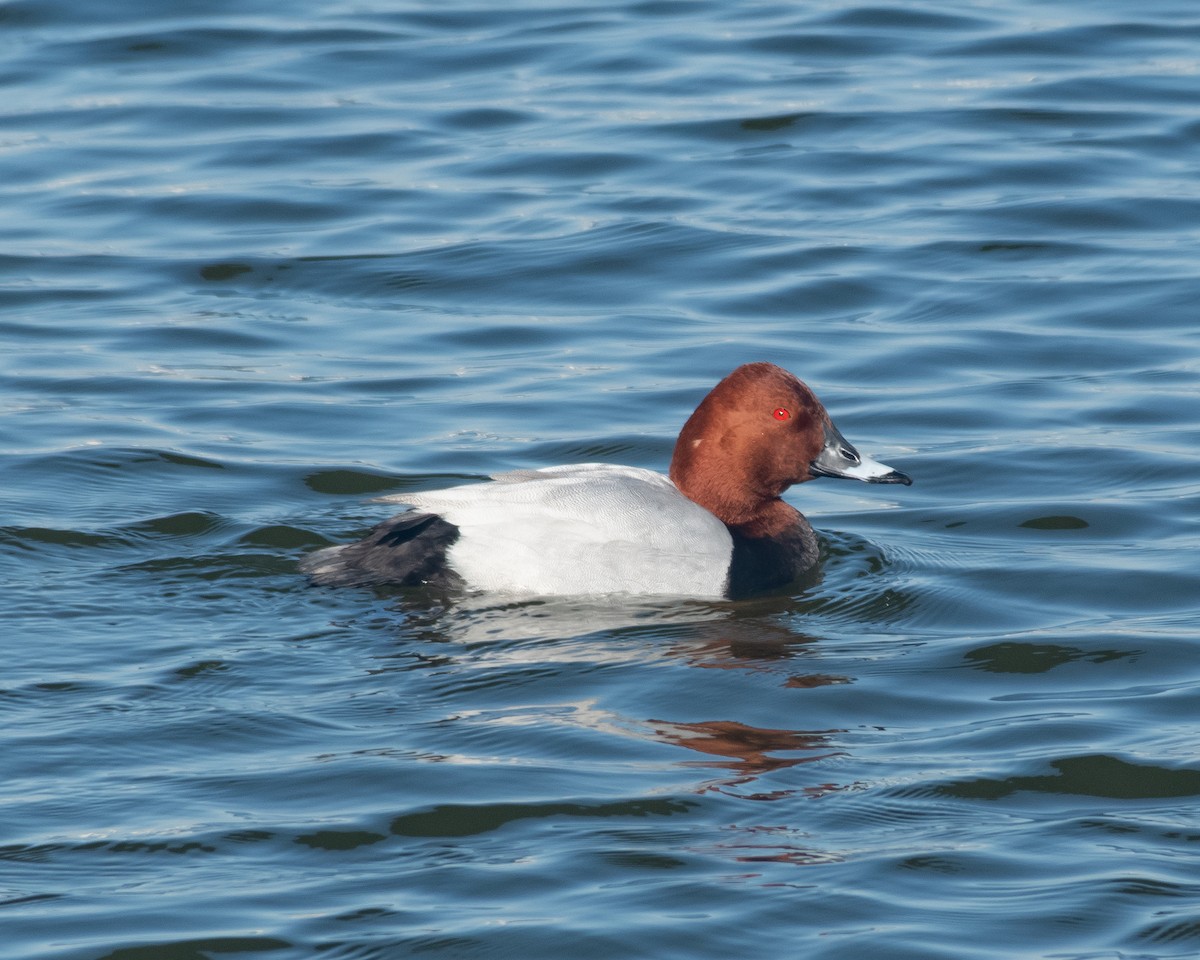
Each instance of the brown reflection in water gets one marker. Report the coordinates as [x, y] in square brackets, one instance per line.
[752, 753]
[748, 751]
[763, 844]
[756, 649]
[741, 643]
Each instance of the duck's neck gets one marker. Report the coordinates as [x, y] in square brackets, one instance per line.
[734, 499]
[772, 519]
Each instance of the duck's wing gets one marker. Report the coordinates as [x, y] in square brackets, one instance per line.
[581, 529]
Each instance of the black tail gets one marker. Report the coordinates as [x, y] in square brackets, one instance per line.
[408, 550]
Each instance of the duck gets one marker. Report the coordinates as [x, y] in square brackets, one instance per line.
[714, 527]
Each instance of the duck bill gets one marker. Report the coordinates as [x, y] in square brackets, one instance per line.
[838, 458]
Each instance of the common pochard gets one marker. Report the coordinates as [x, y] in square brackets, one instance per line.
[716, 527]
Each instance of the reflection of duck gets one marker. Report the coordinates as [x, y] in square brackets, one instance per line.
[715, 528]
[748, 750]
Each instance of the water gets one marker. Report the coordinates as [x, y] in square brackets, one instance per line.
[259, 266]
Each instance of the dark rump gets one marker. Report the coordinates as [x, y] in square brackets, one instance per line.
[408, 550]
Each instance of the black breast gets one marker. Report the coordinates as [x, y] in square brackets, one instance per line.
[408, 550]
[763, 563]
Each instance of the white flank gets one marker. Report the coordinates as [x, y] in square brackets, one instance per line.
[582, 529]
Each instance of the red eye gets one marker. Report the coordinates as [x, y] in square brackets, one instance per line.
[781, 414]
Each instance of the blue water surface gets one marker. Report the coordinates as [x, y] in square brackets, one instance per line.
[259, 265]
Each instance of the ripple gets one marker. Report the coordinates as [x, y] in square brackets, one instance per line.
[456, 821]
[199, 949]
[1096, 775]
